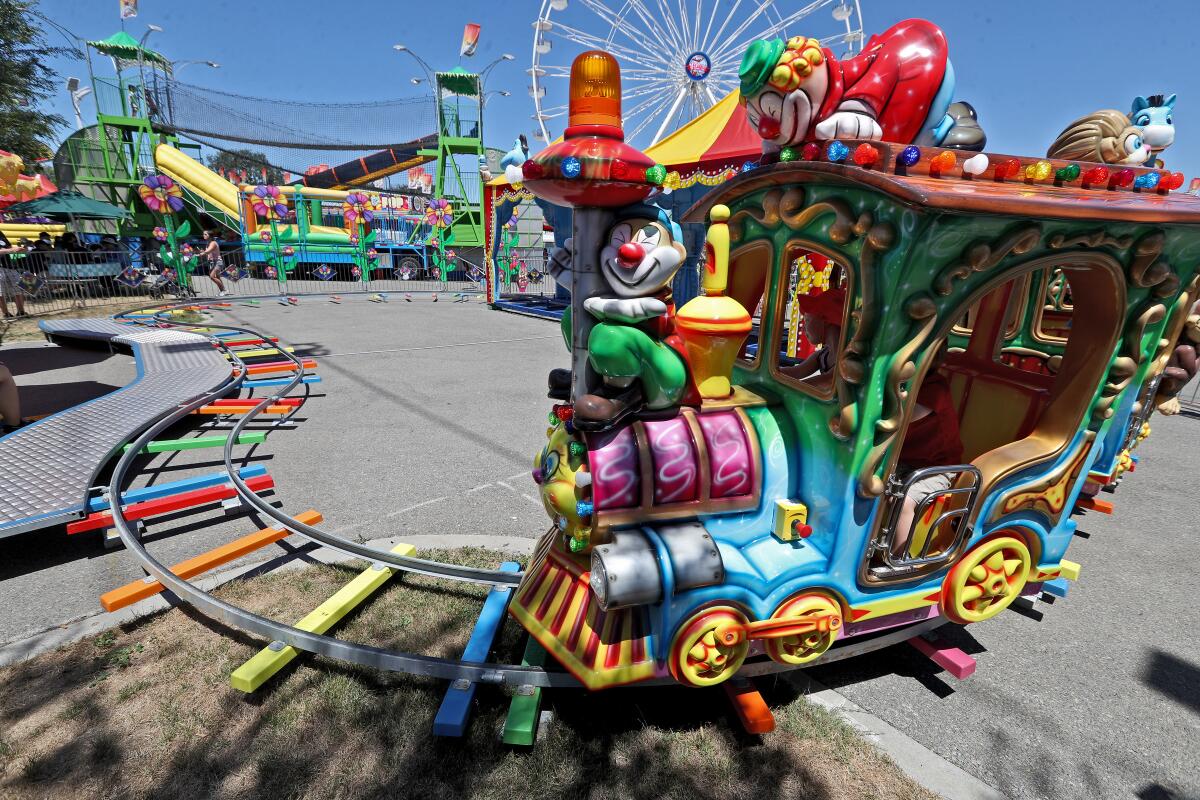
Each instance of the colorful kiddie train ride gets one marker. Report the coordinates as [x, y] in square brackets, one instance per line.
[979, 330]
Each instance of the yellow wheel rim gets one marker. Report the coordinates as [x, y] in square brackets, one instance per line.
[698, 657]
[809, 646]
[986, 581]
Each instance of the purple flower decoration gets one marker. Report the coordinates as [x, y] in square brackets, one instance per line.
[354, 239]
[270, 271]
[356, 272]
[372, 254]
[160, 233]
[288, 250]
[161, 195]
[265, 236]
[359, 207]
[267, 201]
[324, 272]
[439, 213]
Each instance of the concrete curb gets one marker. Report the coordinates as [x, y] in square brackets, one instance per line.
[917, 761]
[921, 764]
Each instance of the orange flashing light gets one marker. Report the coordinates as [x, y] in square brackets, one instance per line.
[595, 93]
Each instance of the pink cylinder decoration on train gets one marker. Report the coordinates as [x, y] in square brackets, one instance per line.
[616, 471]
[730, 457]
[673, 453]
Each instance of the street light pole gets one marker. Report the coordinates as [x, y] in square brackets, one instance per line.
[400, 48]
[141, 61]
[176, 66]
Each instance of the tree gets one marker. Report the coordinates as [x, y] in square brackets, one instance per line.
[25, 83]
[252, 162]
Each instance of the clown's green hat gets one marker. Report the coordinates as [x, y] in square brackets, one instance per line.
[758, 63]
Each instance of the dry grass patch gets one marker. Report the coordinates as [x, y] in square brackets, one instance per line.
[25, 329]
[146, 711]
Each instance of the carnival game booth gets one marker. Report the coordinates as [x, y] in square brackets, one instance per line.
[704, 153]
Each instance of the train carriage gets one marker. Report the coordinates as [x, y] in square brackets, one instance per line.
[773, 522]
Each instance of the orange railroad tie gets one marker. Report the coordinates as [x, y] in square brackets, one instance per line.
[131, 593]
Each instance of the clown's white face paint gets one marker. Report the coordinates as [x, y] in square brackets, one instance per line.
[640, 258]
[785, 120]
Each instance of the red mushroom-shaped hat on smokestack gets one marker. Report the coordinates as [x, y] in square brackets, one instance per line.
[592, 165]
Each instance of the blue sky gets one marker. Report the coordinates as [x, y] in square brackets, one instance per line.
[1028, 67]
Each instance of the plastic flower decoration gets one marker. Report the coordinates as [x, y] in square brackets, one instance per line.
[265, 236]
[439, 213]
[324, 272]
[270, 271]
[268, 203]
[160, 233]
[288, 250]
[356, 272]
[187, 250]
[451, 256]
[360, 207]
[354, 239]
[372, 254]
[161, 194]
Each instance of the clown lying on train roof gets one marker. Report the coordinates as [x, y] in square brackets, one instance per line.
[898, 89]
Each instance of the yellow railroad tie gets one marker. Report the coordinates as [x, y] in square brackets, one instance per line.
[263, 665]
[263, 351]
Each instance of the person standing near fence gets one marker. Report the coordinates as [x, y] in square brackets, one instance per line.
[10, 278]
[211, 254]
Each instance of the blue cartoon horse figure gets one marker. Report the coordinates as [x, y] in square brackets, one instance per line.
[1154, 116]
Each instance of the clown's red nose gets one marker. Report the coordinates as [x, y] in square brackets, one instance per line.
[768, 128]
[631, 254]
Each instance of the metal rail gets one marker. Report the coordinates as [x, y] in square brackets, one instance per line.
[361, 654]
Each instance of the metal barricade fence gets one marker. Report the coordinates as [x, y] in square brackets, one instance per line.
[525, 273]
[332, 269]
[40, 282]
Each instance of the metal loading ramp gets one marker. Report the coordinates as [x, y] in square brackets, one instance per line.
[48, 467]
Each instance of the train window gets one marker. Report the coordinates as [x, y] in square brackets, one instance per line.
[973, 418]
[1057, 306]
[1014, 315]
[749, 274]
[811, 320]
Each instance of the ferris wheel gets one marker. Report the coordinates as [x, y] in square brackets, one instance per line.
[677, 59]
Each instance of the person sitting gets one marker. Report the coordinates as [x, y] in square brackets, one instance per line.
[933, 440]
[823, 327]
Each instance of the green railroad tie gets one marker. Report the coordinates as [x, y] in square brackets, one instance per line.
[172, 445]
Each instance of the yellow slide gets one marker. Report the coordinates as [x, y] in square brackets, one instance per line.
[223, 195]
[192, 175]
[16, 231]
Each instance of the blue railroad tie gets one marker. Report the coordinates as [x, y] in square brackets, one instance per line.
[280, 381]
[451, 719]
[174, 487]
[1057, 587]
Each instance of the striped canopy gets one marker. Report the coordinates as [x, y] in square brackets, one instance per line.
[721, 136]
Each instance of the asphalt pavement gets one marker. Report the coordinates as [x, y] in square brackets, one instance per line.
[425, 425]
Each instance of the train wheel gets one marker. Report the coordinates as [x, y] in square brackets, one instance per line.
[699, 656]
[804, 647]
[986, 580]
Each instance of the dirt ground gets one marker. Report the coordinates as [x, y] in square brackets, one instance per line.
[146, 711]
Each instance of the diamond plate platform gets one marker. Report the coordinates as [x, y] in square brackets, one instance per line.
[47, 468]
